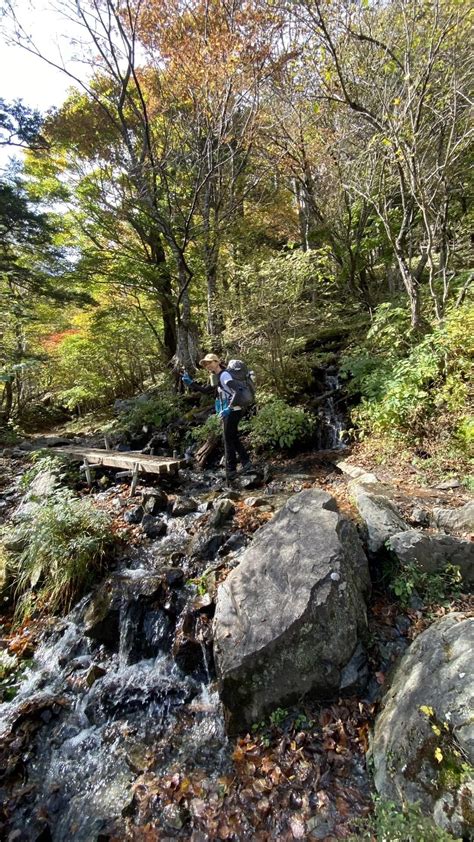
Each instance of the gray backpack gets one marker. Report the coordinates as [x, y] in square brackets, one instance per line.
[242, 383]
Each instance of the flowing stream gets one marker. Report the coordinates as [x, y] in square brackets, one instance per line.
[89, 713]
[124, 687]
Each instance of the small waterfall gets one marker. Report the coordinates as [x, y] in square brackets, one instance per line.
[331, 412]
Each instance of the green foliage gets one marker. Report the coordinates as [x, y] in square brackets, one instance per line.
[278, 426]
[431, 587]
[464, 434]
[211, 429]
[158, 411]
[200, 583]
[407, 383]
[450, 762]
[273, 301]
[20, 125]
[391, 822]
[57, 551]
[9, 434]
[108, 353]
[278, 716]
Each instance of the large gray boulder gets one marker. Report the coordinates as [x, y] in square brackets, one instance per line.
[455, 520]
[424, 737]
[433, 553]
[380, 515]
[289, 617]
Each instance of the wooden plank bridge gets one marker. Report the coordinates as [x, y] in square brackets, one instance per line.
[132, 461]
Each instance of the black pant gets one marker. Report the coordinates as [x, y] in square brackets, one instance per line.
[233, 446]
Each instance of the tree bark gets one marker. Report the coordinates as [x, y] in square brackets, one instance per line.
[187, 335]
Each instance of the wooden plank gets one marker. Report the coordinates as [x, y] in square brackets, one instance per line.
[124, 459]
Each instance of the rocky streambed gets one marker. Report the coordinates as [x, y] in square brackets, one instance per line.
[117, 729]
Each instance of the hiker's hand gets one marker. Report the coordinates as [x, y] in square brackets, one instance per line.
[187, 380]
[225, 412]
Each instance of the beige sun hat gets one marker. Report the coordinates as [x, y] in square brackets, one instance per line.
[210, 358]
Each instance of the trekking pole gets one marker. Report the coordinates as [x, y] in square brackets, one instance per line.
[219, 407]
[225, 453]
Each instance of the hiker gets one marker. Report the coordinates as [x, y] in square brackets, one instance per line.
[229, 389]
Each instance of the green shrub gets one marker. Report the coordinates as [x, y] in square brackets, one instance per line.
[465, 434]
[56, 553]
[212, 428]
[406, 381]
[9, 434]
[278, 426]
[158, 411]
[431, 587]
[395, 823]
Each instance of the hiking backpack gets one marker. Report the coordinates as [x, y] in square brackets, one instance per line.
[242, 382]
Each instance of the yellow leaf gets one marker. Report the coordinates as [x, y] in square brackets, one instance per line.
[438, 755]
[428, 711]
[436, 730]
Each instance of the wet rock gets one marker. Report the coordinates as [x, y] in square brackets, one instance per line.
[154, 501]
[173, 816]
[94, 673]
[253, 480]
[455, 520]
[174, 577]
[188, 651]
[134, 515]
[80, 663]
[138, 757]
[202, 602]
[224, 509]
[289, 617]
[155, 634]
[431, 686]
[355, 674]
[102, 616]
[229, 495]
[153, 527]
[205, 507]
[432, 553]
[205, 545]
[237, 541]
[381, 516]
[184, 506]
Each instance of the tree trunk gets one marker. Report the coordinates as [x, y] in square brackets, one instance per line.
[214, 316]
[202, 456]
[187, 336]
[165, 296]
[412, 288]
[8, 394]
